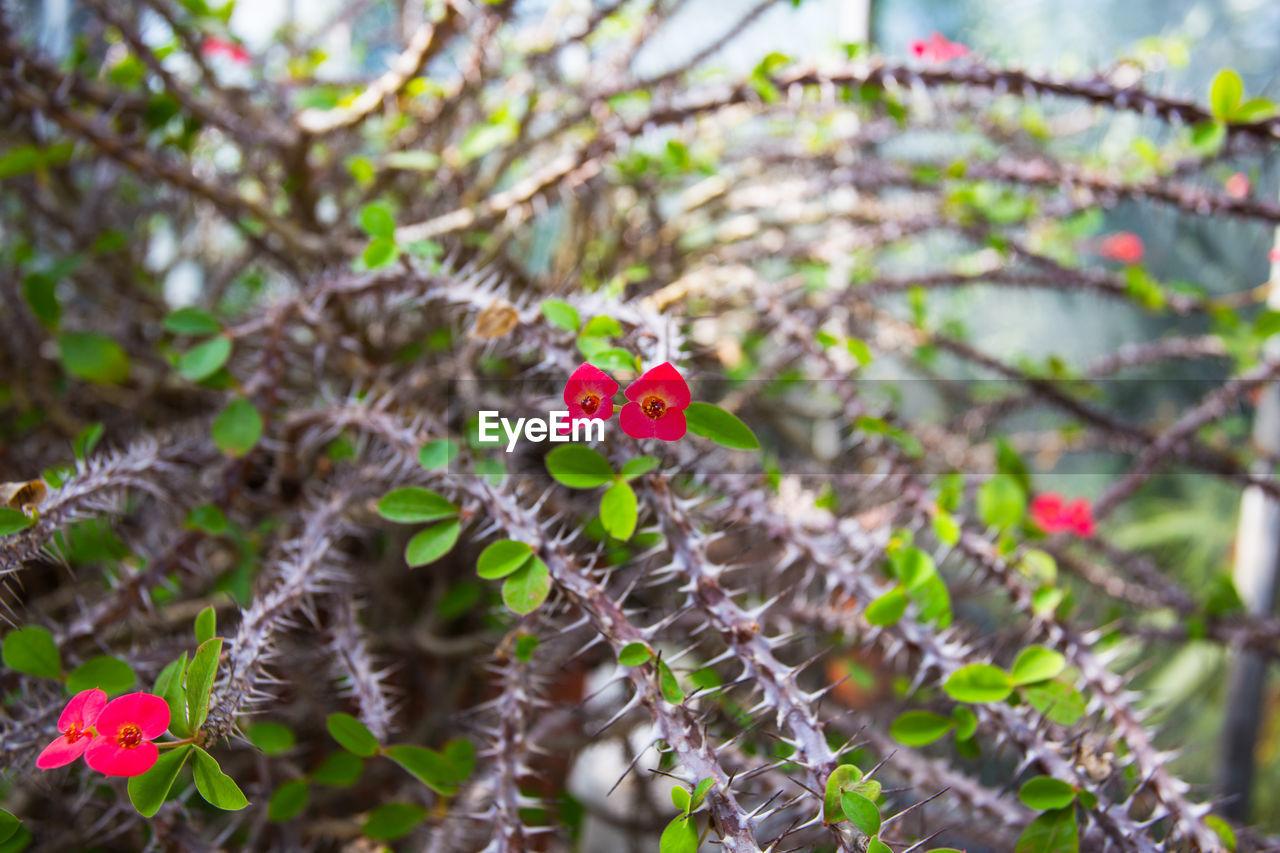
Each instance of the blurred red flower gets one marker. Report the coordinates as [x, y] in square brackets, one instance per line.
[1237, 186]
[1053, 514]
[227, 49]
[1123, 246]
[658, 400]
[938, 48]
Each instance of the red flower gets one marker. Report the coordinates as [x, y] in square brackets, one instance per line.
[658, 400]
[1274, 256]
[220, 47]
[1052, 514]
[1078, 517]
[126, 728]
[1123, 246]
[937, 48]
[76, 724]
[589, 394]
[1237, 186]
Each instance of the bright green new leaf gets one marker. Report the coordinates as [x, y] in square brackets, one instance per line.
[526, 588]
[206, 624]
[413, 504]
[978, 682]
[11, 521]
[1225, 94]
[634, 654]
[502, 558]
[437, 454]
[1052, 832]
[638, 467]
[667, 683]
[917, 728]
[680, 836]
[376, 220]
[1001, 502]
[192, 321]
[1057, 700]
[720, 426]
[431, 544]
[561, 314]
[237, 428]
[205, 359]
[1036, 663]
[888, 608]
[861, 812]
[618, 511]
[578, 467]
[1044, 792]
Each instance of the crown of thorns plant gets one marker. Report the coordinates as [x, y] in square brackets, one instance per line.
[828, 620]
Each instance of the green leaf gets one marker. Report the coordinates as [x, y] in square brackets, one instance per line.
[351, 734]
[1044, 792]
[861, 812]
[393, 820]
[1038, 566]
[200, 677]
[148, 791]
[668, 685]
[31, 650]
[288, 800]
[978, 682]
[875, 845]
[205, 359]
[271, 738]
[169, 687]
[966, 722]
[888, 608]
[431, 544]
[578, 467]
[1001, 502]
[1225, 93]
[1207, 137]
[602, 327]
[1057, 700]
[376, 220]
[109, 674]
[720, 426]
[237, 428]
[634, 654]
[93, 358]
[8, 825]
[11, 521]
[209, 519]
[339, 770]
[192, 321]
[1225, 833]
[206, 624]
[561, 314]
[41, 292]
[1036, 663]
[637, 467]
[461, 753]
[1253, 110]
[502, 558]
[526, 588]
[700, 792]
[612, 358]
[917, 728]
[618, 511]
[842, 779]
[413, 161]
[946, 528]
[412, 504]
[218, 789]
[680, 798]
[87, 439]
[1052, 832]
[437, 454]
[680, 836]
[430, 767]
[868, 788]
[379, 253]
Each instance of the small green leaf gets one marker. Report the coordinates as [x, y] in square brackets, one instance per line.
[917, 728]
[978, 682]
[667, 683]
[462, 755]
[618, 511]
[578, 467]
[1225, 93]
[875, 845]
[888, 608]
[351, 734]
[502, 558]
[1001, 502]
[526, 645]
[700, 792]
[271, 738]
[966, 722]
[192, 321]
[946, 528]
[379, 253]
[376, 220]
[843, 778]
[412, 505]
[637, 467]
[634, 654]
[206, 624]
[720, 426]
[430, 767]
[561, 314]
[393, 820]
[1057, 700]
[437, 454]
[861, 812]
[288, 800]
[612, 358]
[218, 789]
[169, 687]
[11, 521]
[602, 327]
[109, 674]
[8, 825]
[148, 791]
[339, 770]
[200, 677]
[526, 588]
[680, 836]
[209, 519]
[1036, 663]
[680, 798]
[87, 439]
[1052, 832]
[237, 428]
[1044, 792]
[93, 358]
[431, 544]
[205, 359]
[31, 650]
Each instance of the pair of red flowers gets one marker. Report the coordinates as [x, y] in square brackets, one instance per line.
[1054, 514]
[114, 737]
[657, 401]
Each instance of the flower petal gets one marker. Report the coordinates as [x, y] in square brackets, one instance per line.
[83, 709]
[635, 423]
[670, 426]
[112, 760]
[62, 752]
[665, 381]
[147, 712]
[589, 379]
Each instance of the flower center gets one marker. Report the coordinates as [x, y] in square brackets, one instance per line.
[74, 733]
[129, 736]
[589, 403]
[653, 406]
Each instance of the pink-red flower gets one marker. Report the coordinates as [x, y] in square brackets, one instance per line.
[126, 727]
[227, 49]
[1053, 514]
[76, 726]
[1237, 186]
[938, 48]
[658, 400]
[1274, 256]
[1123, 246]
[589, 394]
